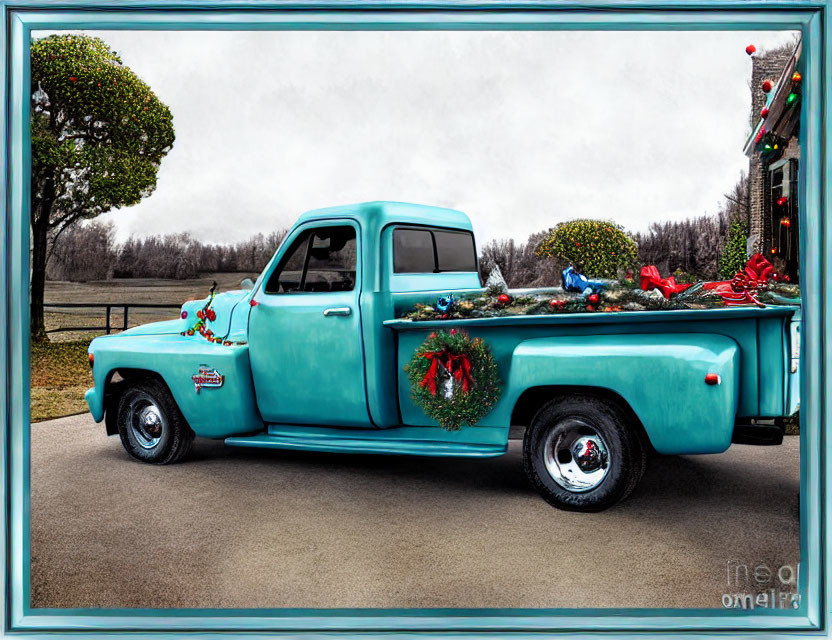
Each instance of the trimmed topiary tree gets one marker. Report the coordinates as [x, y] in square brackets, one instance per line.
[598, 247]
[734, 254]
[98, 136]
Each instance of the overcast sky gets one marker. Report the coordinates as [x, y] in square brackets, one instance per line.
[520, 130]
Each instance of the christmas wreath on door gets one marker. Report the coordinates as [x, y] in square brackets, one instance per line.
[453, 378]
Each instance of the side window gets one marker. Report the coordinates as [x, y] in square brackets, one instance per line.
[413, 251]
[331, 262]
[455, 251]
[433, 251]
[289, 273]
[321, 259]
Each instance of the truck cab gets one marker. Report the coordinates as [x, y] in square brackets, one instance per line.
[320, 304]
[312, 357]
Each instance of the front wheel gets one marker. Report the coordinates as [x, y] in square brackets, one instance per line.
[150, 425]
[582, 454]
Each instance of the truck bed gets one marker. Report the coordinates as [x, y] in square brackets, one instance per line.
[765, 385]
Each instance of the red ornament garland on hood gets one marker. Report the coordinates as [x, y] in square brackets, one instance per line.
[206, 314]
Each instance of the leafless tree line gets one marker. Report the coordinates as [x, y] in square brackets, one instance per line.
[694, 245]
[691, 246]
[90, 252]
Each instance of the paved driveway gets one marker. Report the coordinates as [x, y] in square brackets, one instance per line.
[232, 527]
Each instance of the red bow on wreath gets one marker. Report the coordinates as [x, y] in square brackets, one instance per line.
[457, 365]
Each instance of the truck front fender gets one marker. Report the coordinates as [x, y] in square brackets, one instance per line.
[661, 377]
[216, 410]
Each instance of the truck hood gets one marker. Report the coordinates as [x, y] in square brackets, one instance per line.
[155, 328]
[222, 305]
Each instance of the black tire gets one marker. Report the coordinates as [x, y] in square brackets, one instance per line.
[150, 425]
[615, 454]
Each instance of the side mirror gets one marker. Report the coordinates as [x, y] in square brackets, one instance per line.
[247, 284]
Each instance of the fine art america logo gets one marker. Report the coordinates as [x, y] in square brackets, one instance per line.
[207, 377]
[759, 585]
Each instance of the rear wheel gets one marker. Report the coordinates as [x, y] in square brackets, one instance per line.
[583, 454]
[150, 425]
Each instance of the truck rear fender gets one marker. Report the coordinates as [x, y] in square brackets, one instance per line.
[660, 379]
[533, 399]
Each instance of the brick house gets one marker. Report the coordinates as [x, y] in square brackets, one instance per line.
[774, 156]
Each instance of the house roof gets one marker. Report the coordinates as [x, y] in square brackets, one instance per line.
[780, 120]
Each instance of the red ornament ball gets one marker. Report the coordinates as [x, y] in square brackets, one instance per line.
[554, 303]
[503, 298]
[73, 79]
[782, 200]
[589, 307]
[593, 298]
[767, 85]
[751, 49]
[786, 278]
[796, 77]
[764, 113]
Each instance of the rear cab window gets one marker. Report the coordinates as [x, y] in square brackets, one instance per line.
[429, 250]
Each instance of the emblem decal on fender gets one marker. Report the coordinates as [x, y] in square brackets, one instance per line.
[207, 377]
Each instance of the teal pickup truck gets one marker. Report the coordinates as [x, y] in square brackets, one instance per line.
[312, 357]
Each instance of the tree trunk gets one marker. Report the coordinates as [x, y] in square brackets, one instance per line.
[40, 231]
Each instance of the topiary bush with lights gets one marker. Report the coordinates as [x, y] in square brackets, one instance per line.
[597, 247]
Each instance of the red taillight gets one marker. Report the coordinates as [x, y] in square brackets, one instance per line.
[92, 360]
[712, 378]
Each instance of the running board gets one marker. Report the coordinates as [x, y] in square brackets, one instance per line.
[350, 443]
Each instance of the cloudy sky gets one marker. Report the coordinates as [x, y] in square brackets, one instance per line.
[520, 130]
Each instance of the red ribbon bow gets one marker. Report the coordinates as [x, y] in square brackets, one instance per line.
[457, 365]
[743, 291]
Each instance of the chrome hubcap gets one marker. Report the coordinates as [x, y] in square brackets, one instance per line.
[145, 421]
[576, 456]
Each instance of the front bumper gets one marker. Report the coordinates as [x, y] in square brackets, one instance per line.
[95, 401]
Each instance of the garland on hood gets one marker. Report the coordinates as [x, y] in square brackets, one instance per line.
[205, 315]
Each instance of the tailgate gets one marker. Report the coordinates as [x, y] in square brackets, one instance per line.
[793, 376]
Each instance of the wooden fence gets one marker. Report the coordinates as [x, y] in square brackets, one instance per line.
[109, 306]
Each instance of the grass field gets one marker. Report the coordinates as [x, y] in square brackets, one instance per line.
[60, 369]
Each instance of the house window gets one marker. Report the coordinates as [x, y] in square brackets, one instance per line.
[783, 217]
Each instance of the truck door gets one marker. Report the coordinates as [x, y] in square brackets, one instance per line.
[305, 341]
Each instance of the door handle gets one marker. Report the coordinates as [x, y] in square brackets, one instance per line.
[337, 311]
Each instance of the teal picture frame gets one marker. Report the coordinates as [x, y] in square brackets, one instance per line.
[810, 17]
